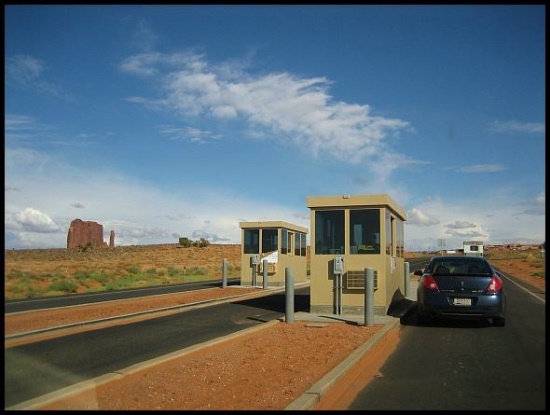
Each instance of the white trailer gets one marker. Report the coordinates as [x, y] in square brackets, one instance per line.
[473, 248]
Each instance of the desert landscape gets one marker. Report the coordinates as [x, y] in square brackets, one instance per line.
[46, 272]
[304, 353]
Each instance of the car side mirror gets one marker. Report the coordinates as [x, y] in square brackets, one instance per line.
[418, 272]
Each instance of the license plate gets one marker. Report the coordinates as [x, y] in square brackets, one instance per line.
[462, 301]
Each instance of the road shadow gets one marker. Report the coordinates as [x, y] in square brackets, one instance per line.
[412, 318]
[277, 302]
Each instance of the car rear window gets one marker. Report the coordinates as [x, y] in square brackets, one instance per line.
[459, 267]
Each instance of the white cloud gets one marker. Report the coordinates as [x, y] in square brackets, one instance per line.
[487, 219]
[461, 224]
[27, 72]
[188, 134]
[482, 168]
[536, 206]
[417, 217]
[31, 220]
[517, 127]
[296, 110]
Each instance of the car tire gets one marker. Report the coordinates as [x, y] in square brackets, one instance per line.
[499, 321]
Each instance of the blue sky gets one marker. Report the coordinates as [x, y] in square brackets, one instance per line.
[161, 122]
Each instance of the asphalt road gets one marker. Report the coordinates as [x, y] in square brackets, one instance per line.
[467, 365]
[34, 369]
[14, 306]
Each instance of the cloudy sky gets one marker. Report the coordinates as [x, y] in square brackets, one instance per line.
[161, 122]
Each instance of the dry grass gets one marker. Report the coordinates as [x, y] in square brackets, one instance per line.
[49, 272]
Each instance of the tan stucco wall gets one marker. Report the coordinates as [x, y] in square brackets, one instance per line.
[389, 279]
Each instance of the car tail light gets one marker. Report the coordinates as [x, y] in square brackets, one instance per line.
[429, 283]
[495, 285]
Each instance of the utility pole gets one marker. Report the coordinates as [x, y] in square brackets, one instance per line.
[441, 245]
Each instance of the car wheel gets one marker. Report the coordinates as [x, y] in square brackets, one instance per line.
[499, 321]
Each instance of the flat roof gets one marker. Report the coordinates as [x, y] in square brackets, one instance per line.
[272, 224]
[350, 201]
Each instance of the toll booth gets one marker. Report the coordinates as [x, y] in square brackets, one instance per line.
[348, 235]
[282, 244]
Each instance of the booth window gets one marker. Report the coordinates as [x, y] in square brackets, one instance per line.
[329, 232]
[297, 243]
[286, 241]
[251, 241]
[364, 231]
[400, 238]
[300, 247]
[269, 240]
[389, 234]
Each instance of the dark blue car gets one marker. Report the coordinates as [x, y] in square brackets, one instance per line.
[461, 287]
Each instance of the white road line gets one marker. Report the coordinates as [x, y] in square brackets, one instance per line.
[523, 288]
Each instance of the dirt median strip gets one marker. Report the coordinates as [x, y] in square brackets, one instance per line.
[79, 391]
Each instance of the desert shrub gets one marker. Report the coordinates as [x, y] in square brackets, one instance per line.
[120, 284]
[185, 242]
[48, 276]
[175, 272]
[198, 271]
[151, 272]
[63, 285]
[18, 275]
[133, 270]
[17, 288]
[201, 243]
[34, 292]
[81, 275]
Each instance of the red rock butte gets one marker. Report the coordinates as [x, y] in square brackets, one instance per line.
[86, 233]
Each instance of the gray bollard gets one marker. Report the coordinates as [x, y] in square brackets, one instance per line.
[369, 296]
[289, 295]
[407, 281]
[265, 274]
[224, 273]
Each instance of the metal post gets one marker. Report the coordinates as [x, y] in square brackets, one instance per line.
[407, 281]
[254, 270]
[369, 296]
[336, 294]
[224, 273]
[340, 294]
[289, 295]
[265, 274]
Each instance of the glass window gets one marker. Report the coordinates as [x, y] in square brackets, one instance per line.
[303, 244]
[329, 232]
[251, 241]
[389, 234]
[400, 238]
[286, 241]
[297, 243]
[364, 231]
[269, 240]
